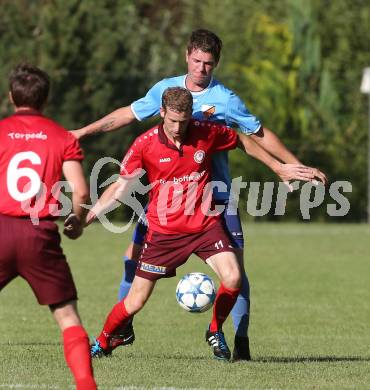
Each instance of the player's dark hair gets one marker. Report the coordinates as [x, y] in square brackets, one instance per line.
[177, 99]
[29, 86]
[206, 41]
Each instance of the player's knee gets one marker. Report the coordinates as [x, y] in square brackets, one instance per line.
[135, 304]
[235, 279]
[232, 278]
[133, 251]
[129, 251]
[65, 314]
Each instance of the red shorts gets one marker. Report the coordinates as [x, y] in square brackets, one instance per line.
[163, 253]
[34, 253]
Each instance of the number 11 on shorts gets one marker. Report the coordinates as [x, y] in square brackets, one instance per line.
[219, 244]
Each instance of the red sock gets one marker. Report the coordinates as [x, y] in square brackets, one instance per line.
[224, 302]
[116, 318]
[77, 355]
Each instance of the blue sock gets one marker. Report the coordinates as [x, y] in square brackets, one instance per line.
[240, 311]
[127, 277]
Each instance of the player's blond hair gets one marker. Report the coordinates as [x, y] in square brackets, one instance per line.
[177, 99]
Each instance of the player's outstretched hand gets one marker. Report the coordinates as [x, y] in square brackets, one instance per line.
[319, 175]
[72, 227]
[91, 217]
[289, 172]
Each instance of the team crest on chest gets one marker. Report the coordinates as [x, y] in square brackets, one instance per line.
[199, 156]
[208, 110]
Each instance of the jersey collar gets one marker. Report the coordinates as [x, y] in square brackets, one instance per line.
[28, 111]
[199, 92]
[163, 139]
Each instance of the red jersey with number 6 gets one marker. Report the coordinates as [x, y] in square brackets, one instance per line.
[32, 151]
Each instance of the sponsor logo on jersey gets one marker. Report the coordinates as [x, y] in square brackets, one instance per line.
[195, 176]
[208, 110]
[165, 159]
[154, 269]
[27, 136]
[199, 156]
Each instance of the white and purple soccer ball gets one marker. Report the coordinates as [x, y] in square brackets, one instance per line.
[195, 292]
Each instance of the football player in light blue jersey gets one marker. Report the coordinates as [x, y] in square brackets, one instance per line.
[212, 101]
[216, 103]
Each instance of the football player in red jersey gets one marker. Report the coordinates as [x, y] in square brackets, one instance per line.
[34, 152]
[216, 102]
[177, 157]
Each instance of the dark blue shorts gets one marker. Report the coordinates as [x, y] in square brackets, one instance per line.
[231, 223]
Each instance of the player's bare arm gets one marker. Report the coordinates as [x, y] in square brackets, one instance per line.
[119, 118]
[109, 199]
[286, 172]
[272, 144]
[73, 225]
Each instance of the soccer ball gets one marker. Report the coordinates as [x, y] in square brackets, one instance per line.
[195, 292]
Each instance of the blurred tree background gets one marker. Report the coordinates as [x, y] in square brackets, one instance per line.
[296, 63]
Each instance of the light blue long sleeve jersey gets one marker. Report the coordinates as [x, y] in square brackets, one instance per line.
[216, 103]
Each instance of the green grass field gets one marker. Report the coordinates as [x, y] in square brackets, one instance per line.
[309, 326]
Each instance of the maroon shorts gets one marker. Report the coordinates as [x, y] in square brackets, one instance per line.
[34, 253]
[163, 253]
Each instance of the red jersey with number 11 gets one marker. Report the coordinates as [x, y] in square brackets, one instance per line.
[32, 151]
[179, 201]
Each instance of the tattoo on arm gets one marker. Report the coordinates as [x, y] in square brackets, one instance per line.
[107, 125]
